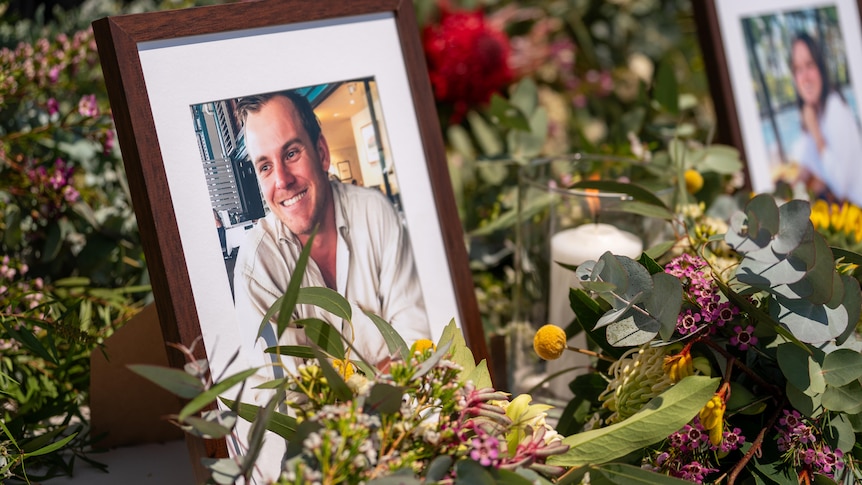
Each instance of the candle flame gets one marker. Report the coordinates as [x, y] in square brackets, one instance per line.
[593, 201]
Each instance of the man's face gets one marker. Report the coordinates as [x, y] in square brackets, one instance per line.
[290, 168]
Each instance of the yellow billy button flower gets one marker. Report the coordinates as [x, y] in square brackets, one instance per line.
[422, 345]
[343, 367]
[712, 417]
[693, 181]
[550, 342]
[678, 366]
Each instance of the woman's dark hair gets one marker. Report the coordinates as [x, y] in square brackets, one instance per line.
[820, 59]
[254, 103]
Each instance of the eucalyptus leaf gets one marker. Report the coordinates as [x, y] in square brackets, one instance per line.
[809, 323]
[801, 368]
[279, 423]
[202, 400]
[659, 418]
[846, 399]
[394, 342]
[507, 115]
[175, 381]
[385, 398]
[839, 433]
[525, 95]
[635, 329]
[326, 299]
[225, 471]
[486, 136]
[810, 406]
[842, 367]
[665, 303]
[301, 351]
[721, 159]
[324, 335]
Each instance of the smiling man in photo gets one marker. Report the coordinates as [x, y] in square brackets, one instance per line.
[361, 249]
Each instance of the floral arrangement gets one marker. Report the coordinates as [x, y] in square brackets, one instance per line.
[428, 414]
[758, 320]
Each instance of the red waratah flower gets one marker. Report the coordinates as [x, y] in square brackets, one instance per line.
[467, 60]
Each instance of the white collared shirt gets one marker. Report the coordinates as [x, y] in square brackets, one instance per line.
[374, 268]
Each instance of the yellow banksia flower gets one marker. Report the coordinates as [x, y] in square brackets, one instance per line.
[712, 418]
[693, 181]
[422, 345]
[678, 366]
[343, 367]
[550, 342]
[638, 377]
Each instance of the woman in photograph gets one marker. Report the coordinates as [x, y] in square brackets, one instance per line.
[830, 147]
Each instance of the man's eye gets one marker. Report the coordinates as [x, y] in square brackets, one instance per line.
[264, 168]
[291, 154]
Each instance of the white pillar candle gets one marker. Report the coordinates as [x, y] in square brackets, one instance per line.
[573, 247]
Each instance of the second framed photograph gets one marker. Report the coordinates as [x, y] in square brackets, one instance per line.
[786, 77]
[248, 127]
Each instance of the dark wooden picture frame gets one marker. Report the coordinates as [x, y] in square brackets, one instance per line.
[121, 41]
[731, 79]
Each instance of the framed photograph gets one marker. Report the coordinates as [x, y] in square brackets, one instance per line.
[199, 166]
[785, 78]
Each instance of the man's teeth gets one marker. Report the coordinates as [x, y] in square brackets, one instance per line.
[293, 200]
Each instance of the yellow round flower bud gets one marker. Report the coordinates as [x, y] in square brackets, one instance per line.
[550, 342]
[693, 181]
[421, 346]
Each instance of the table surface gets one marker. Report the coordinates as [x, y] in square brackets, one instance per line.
[162, 463]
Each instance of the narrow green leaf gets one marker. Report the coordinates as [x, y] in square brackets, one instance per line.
[52, 447]
[324, 335]
[279, 423]
[9, 434]
[635, 191]
[646, 210]
[174, 381]
[336, 382]
[666, 88]
[326, 299]
[287, 303]
[204, 399]
[394, 342]
[301, 351]
[659, 418]
[23, 335]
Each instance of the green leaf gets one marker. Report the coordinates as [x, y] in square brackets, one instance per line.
[23, 335]
[326, 299]
[225, 471]
[469, 472]
[301, 351]
[722, 159]
[839, 433]
[324, 335]
[525, 96]
[846, 399]
[618, 474]
[438, 468]
[280, 424]
[506, 115]
[210, 428]
[288, 302]
[807, 405]
[666, 89]
[659, 418]
[801, 368]
[50, 448]
[394, 342]
[486, 136]
[646, 210]
[665, 303]
[336, 382]
[211, 394]
[635, 191]
[175, 381]
[385, 398]
[480, 376]
[842, 367]
[453, 339]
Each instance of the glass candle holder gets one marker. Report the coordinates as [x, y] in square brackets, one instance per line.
[558, 224]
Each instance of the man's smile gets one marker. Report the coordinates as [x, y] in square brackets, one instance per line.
[293, 200]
